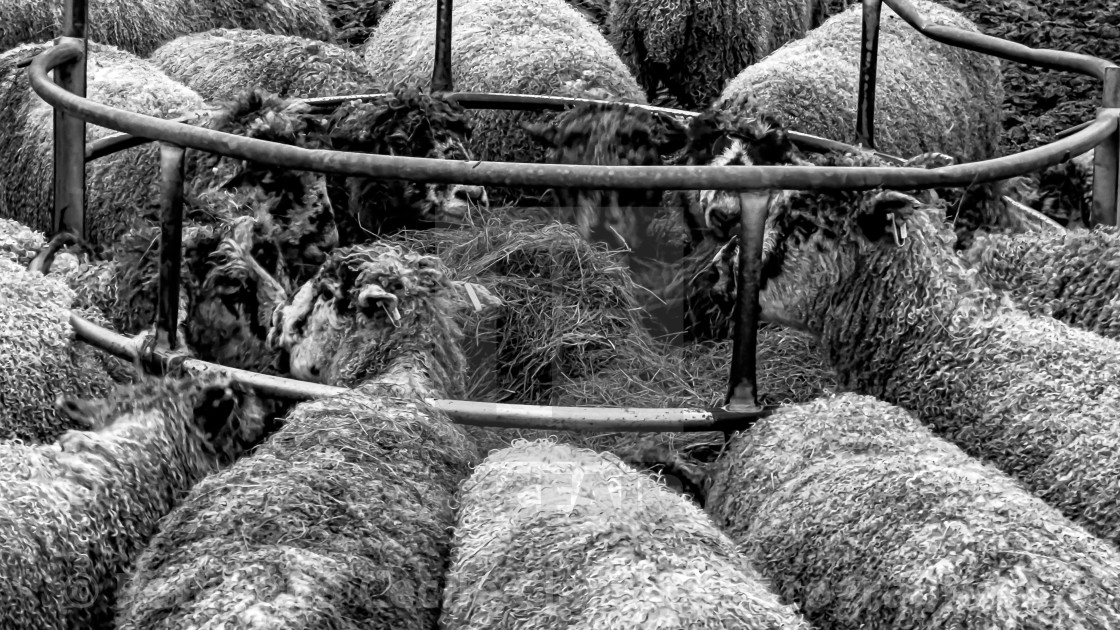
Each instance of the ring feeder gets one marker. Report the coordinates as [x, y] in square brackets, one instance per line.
[66, 94]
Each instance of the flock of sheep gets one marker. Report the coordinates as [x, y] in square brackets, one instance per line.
[968, 476]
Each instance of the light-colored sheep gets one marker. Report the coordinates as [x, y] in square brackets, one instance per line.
[553, 536]
[695, 48]
[218, 64]
[901, 317]
[341, 519]
[74, 514]
[859, 514]
[929, 96]
[540, 47]
[302, 18]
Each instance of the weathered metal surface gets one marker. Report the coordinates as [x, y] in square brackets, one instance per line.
[441, 69]
[1106, 159]
[868, 70]
[70, 129]
[546, 175]
[742, 391]
[171, 169]
[460, 411]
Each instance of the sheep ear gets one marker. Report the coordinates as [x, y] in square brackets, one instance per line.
[214, 407]
[475, 298]
[884, 217]
[544, 133]
[85, 413]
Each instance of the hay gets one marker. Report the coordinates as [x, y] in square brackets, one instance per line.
[1073, 277]
[865, 519]
[138, 26]
[522, 46]
[340, 520]
[39, 358]
[550, 536]
[568, 307]
[301, 18]
[929, 96]
[219, 64]
[73, 515]
[695, 48]
[120, 188]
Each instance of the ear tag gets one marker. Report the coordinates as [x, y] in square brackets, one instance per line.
[474, 297]
[898, 229]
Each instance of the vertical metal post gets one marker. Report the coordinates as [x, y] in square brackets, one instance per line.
[69, 130]
[171, 167]
[1106, 158]
[441, 71]
[742, 393]
[868, 67]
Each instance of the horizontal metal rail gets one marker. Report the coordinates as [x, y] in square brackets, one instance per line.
[628, 419]
[545, 175]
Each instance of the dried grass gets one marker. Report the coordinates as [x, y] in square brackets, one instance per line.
[551, 536]
[864, 518]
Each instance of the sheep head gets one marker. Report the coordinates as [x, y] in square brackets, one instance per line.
[297, 201]
[407, 123]
[609, 135]
[368, 306]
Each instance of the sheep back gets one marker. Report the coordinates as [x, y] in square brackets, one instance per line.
[138, 26]
[929, 96]
[302, 18]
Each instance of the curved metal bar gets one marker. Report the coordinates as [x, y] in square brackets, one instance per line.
[630, 419]
[544, 175]
[981, 43]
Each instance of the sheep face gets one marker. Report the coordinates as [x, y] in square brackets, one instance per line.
[724, 139]
[297, 201]
[364, 303]
[817, 244]
[408, 123]
[608, 135]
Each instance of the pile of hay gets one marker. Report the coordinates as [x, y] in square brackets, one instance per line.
[551, 536]
[929, 96]
[138, 26]
[39, 356]
[568, 305]
[220, 63]
[541, 47]
[341, 519]
[865, 519]
[694, 48]
[127, 180]
[302, 18]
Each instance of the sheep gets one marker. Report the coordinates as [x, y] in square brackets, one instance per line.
[901, 317]
[540, 47]
[301, 18]
[1065, 191]
[355, 20]
[549, 536]
[74, 514]
[219, 63]
[867, 520]
[341, 519]
[406, 122]
[128, 179]
[930, 96]
[694, 49]
[1070, 276]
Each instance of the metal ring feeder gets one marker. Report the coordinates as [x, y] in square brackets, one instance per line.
[66, 94]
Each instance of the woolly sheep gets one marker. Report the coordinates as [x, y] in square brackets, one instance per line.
[410, 123]
[341, 519]
[74, 514]
[553, 536]
[1070, 276]
[929, 96]
[219, 63]
[901, 317]
[115, 78]
[519, 46]
[694, 49]
[302, 18]
[864, 518]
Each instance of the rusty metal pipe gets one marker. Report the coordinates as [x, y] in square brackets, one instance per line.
[547, 175]
[441, 69]
[1106, 159]
[69, 128]
[868, 70]
[742, 391]
[171, 168]
[460, 411]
